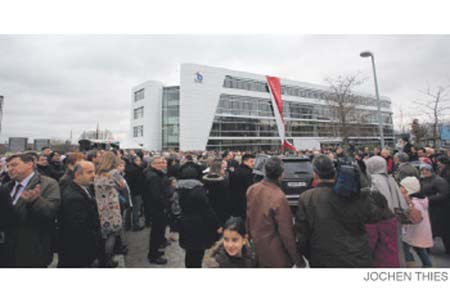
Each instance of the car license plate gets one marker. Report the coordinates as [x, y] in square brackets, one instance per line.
[296, 184]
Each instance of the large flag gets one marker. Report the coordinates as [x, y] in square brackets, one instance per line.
[277, 103]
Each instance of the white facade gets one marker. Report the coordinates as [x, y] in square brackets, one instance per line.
[201, 88]
[151, 119]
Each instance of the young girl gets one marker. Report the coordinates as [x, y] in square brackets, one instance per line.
[383, 235]
[233, 250]
[418, 236]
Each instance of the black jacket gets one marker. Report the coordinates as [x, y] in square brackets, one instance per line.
[240, 181]
[57, 170]
[218, 191]
[155, 192]
[46, 170]
[8, 222]
[79, 228]
[135, 179]
[436, 189]
[331, 230]
[198, 222]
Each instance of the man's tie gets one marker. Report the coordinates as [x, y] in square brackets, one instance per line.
[16, 192]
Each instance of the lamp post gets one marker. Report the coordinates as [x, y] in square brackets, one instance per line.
[380, 120]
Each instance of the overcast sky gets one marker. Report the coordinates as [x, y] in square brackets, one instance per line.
[53, 84]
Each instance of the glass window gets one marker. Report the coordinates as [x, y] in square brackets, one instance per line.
[139, 112]
[138, 131]
[139, 95]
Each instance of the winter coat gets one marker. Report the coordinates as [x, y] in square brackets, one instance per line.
[383, 238]
[36, 223]
[217, 257]
[435, 188]
[198, 222]
[135, 179]
[46, 170]
[384, 183]
[8, 222]
[270, 226]
[406, 170]
[218, 191]
[155, 192]
[108, 205]
[79, 228]
[331, 231]
[444, 172]
[57, 170]
[419, 235]
[240, 180]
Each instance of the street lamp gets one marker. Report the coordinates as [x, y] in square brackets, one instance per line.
[380, 120]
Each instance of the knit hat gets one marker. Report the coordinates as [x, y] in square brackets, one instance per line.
[411, 184]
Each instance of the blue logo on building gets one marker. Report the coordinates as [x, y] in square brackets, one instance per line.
[198, 77]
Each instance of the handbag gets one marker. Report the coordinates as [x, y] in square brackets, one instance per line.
[406, 216]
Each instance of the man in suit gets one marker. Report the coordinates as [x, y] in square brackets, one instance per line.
[36, 200]
[79, 226]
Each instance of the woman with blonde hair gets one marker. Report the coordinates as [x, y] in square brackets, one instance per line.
[108, 205]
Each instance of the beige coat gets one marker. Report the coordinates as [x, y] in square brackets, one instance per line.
[270, 226]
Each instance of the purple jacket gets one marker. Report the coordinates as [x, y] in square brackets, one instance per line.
[383, 242]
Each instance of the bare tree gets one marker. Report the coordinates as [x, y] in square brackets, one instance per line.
[435, 105]
[419, 132]
[343, 102]
[105, 134]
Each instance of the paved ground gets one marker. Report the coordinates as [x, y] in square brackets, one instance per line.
[138, 243]
[138, 249]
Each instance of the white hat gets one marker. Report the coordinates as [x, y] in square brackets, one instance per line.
[411, 184]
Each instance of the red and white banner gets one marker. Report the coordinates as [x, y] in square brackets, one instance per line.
[277, 103]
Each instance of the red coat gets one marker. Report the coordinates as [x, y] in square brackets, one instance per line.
[383, 242]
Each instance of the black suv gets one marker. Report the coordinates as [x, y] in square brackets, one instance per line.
[297, 177]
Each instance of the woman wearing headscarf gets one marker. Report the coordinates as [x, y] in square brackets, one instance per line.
[386, 185]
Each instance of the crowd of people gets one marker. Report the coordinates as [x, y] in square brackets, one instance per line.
[364, 208]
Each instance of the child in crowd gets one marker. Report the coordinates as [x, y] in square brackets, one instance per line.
[383, 236]
[418, 236]
[233, 250]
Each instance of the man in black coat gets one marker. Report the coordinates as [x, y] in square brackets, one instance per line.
[7, 224]
[436, 189]
[135, 180]
[155, 201]
[79, 226]
[43, 167]
[240, 180]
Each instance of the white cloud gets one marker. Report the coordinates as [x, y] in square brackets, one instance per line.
[54, 83]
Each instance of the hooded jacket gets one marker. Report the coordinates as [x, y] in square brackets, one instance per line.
[330, 229]
[198, 222]
[218, 191]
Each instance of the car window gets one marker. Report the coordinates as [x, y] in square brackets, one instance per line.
[297, 168]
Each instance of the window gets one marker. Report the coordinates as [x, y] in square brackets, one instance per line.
[139, 112]
[139, 95]
[138, 131]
